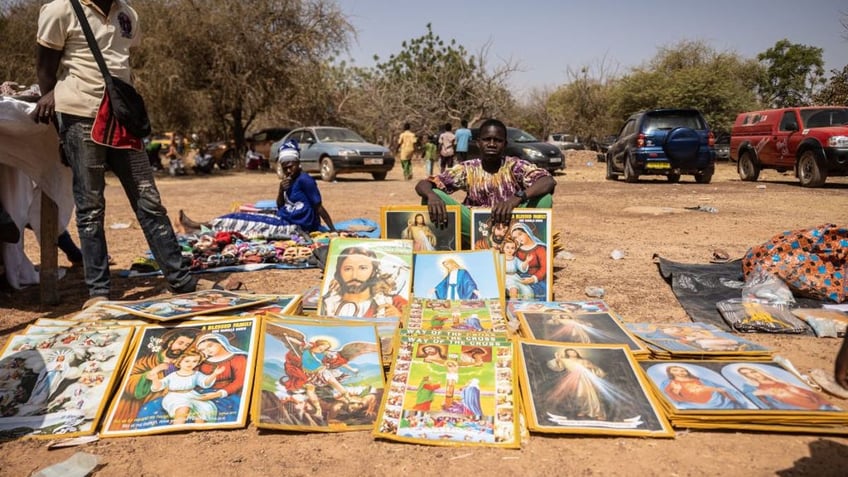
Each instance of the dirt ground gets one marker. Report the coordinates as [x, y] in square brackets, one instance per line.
[594, 217]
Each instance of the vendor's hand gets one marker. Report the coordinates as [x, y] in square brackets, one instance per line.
[45, 108]
[502, 211]
[438, 211]
[841, 375]
[285, 182]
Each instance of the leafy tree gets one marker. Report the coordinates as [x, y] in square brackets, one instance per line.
[835, 91]
[689, 74]
[793, 74]
[430, 81]
[217, 64]
[18, 25]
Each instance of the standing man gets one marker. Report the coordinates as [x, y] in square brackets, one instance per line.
[406, 146]
[463, 137]
[492, 180]
[72, 87]
[447, 144]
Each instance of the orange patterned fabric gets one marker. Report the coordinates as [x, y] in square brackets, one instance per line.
[813, 262]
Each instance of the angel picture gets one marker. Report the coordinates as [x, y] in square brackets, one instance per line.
[325, 380]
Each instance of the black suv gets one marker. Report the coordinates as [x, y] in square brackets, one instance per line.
[525, 146]
[669, 142]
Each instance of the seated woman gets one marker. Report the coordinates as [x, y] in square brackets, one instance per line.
[299, 206]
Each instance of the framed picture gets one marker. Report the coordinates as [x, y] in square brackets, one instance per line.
[179, 307]
[318, 376]
[193, 376]
[413, 223]
[587, 390]
[465, 275]
[526, 244]
[579, 328]
[366, 278]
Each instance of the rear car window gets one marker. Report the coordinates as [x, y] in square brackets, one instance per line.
[673, 120]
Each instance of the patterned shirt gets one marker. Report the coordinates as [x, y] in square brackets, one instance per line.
[484, 189]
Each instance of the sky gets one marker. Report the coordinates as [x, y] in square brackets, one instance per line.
[549, 38]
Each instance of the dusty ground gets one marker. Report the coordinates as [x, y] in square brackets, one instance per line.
[595, 217]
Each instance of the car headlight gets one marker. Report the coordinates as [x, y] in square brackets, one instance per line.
[347, 152]
[838, 141]
[532, 153]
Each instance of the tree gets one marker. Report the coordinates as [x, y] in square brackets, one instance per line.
[430, 81]
[835, 90]
[689, 74]
[793, 74]
[217, 64]
[18, 20]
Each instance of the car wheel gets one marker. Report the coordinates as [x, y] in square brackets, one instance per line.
[328, 170]
[611, 175]
[673, 178]
[811, 171]
[704, 178]
[630, 174]
[379, 176]
[748, 169]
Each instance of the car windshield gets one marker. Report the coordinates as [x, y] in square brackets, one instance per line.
[822, 118]
[673, 120]
[517, 135]
[337, 135]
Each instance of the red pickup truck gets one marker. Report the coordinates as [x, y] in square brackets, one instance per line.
[812, 141]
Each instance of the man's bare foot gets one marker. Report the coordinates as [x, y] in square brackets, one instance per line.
[187, 225]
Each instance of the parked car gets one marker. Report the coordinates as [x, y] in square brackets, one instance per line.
[330, 151]
[812, 141]
[722, 147]
[669, 142]
[524, 145]
[565, 141]
[264, 138]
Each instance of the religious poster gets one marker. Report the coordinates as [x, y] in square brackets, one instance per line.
[279, 305]
[455, 315]
[467, 275]
[412, 222]
[318, 376]
[515, 306]
[58, 383]
[696, 340]
[366, 278]
[526, 244]
[584, 389]
[579, 328]
[451, 388]
[192, 376]
[179, 307]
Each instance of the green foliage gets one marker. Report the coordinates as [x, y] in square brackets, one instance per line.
[793, 74]
[835, 90]
[18, 24]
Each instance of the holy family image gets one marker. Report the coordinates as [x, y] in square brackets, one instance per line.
[190, 376]
[318, 375]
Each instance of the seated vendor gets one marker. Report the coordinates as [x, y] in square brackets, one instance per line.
[299, 206]
[493, 180]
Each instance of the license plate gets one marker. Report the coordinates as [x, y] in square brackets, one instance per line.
[658, 165]
[555, 159]
[373, 162]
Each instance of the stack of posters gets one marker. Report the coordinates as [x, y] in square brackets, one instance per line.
[576, 327]
[696, 341]
[455, 315]
[526, 246]
[318, 375]
[190, 376]
[56, 377]
[744, 395]
[587, 389]
[181, 307]
[451, 388]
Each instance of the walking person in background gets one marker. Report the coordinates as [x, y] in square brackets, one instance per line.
[447, 144]
[463, 137]
[406, 146]
[430, 153]
[72, 87]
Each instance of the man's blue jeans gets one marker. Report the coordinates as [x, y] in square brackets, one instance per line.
[88, 162]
